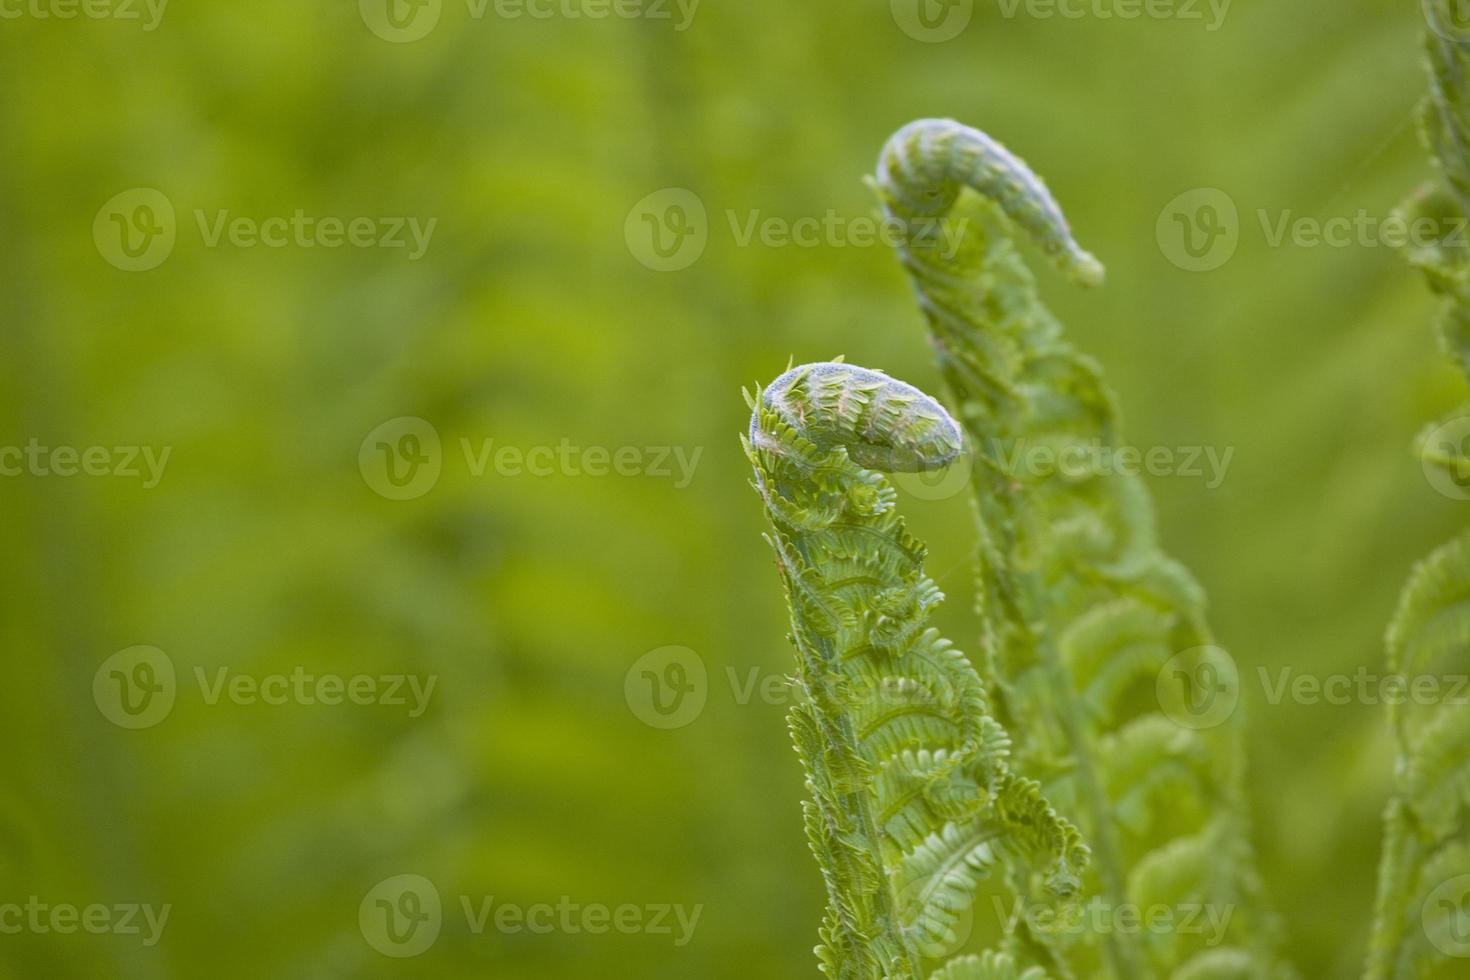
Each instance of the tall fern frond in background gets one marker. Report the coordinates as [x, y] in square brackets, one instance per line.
[1424, 875]
[1089, 629]
[912, 800]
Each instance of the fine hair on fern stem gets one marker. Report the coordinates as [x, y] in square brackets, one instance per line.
[912, 801]
[1081, 612]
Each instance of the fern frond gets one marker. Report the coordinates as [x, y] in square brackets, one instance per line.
[1081, 609]
[912, 801]
[1423, 898]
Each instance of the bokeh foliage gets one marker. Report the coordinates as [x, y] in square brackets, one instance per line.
[529, 321]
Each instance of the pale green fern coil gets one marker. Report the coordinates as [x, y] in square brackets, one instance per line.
[912, 801]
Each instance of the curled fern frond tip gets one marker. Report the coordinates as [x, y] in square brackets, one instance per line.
[926, 163]
[883, 423]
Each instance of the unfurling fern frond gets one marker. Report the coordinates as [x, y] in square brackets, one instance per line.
[912, 801]
[1423, 906]
[1081, 610]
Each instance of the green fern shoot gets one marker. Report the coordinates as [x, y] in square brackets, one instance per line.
[1423, 902]
[912, 800]
[1096, 642]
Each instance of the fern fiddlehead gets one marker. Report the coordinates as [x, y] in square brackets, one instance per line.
[1424, 872]
[1081, 609]
[911, 799]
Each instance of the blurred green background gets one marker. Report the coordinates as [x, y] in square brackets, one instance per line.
[533, 319]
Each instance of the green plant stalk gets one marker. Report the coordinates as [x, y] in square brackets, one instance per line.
[1078, 604]
[1427, 823]
[911, 798]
